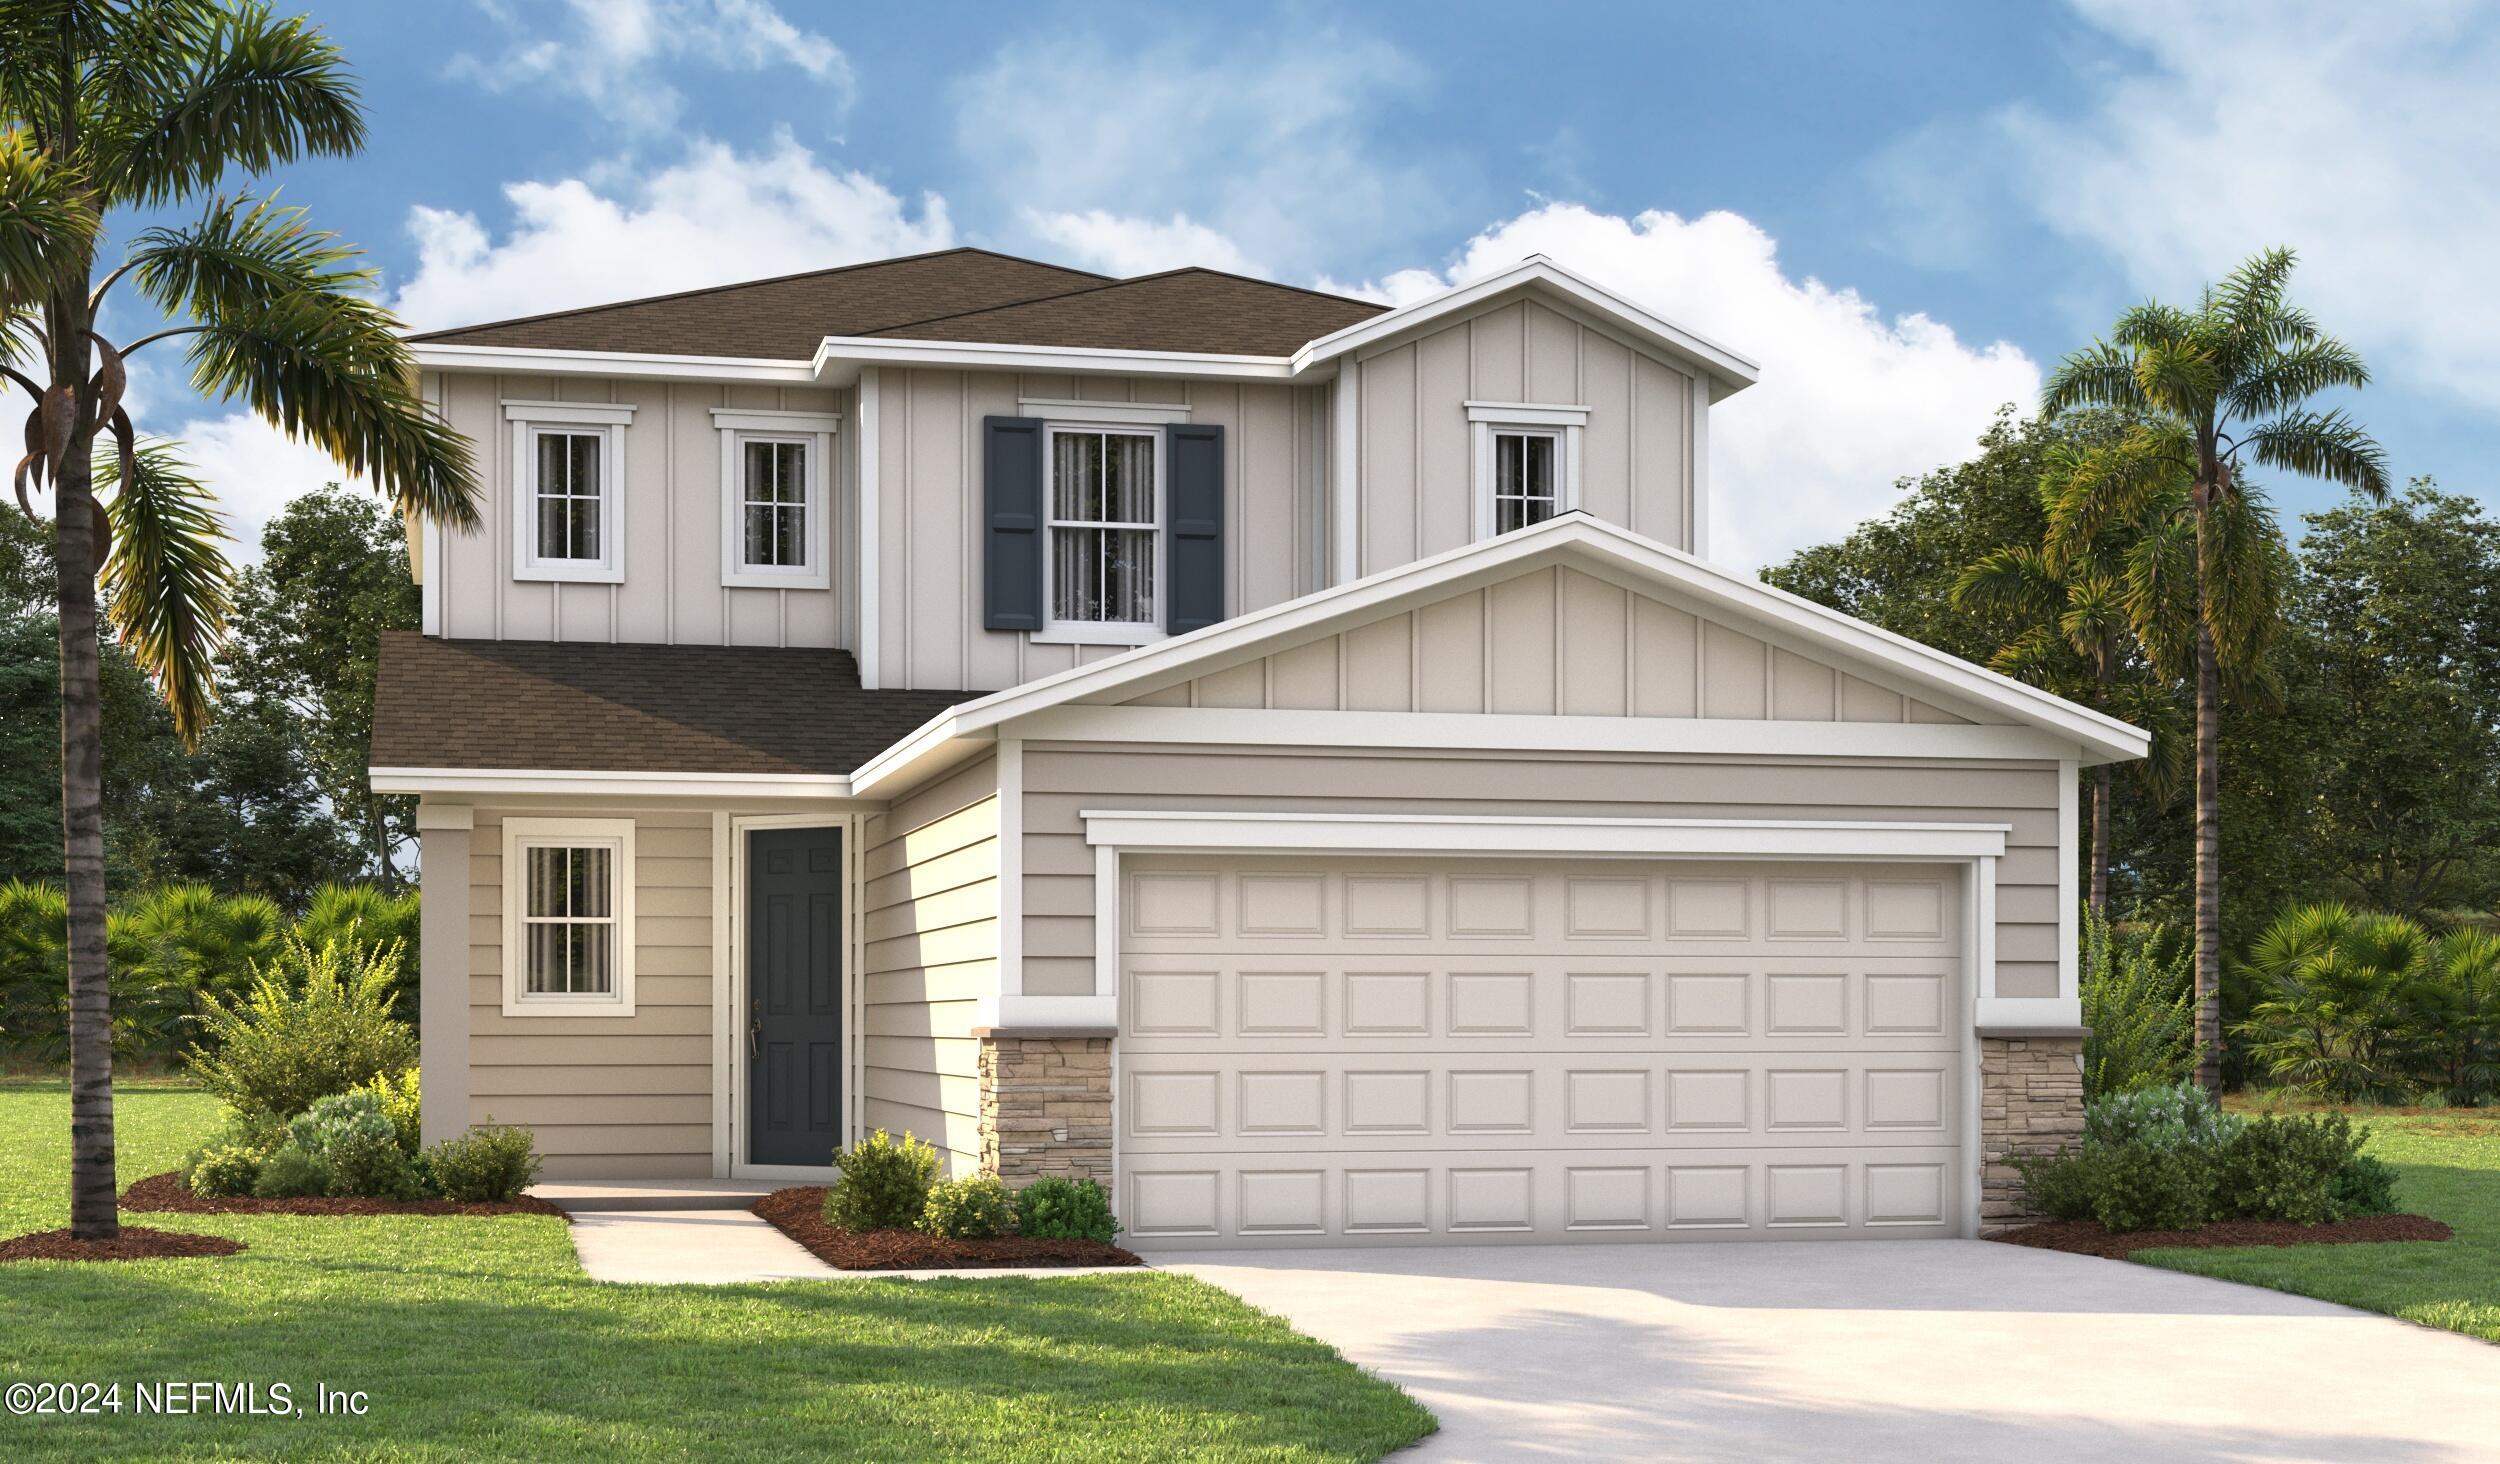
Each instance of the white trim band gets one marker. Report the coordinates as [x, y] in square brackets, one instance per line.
[1127, 414]
[573, 782]
[1464, 836]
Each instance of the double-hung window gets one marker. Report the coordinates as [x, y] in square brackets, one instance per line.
[775, 522]
[1527, 463]
[568, 901]
[567, 458]
[1103, 565]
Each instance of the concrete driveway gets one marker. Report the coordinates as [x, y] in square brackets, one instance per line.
[1930, 1351]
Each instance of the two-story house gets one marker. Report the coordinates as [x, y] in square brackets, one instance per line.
[1289, 758]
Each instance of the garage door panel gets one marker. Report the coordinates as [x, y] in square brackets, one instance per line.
[1384, 1052]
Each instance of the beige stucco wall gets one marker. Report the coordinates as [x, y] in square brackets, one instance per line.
[1552, 642]
[672, 591]
[1062, 779]
[929, 928]
[929, 489]
[1416, 450]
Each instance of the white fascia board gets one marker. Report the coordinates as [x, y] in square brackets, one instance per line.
[1469, 731]
[2096, 738]
[532, 361]
[570, 782]
[939, 743]
[1726, 368]
[2015, 1014]
[1532, 836]
[840, 357]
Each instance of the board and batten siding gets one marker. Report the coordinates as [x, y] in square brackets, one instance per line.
[1061, 780]
[929, 492]
[1417, 447]
[606, 1095]
[671, 593]
[1551, 642]
[929, 928]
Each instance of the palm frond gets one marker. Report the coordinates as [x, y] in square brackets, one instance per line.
[169, 583]
[2245, 566]
[2010, 581]
[2285, 379]
[2139, 478]
[329, 369]
[2160, 595]
[2152, 324]
[2181, 378]
[2250, 300]
[243, 254]
[2327, 445]
[253, 92]
[2037, 655]
[44, 220]
[2094, 618]
[2100, 375]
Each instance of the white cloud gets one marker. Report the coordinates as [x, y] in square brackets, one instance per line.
[254, 469]
[2366, 136]
[712, 218]
[1156, 149]
[1121, 245]
[611, 53]
[1849, 400]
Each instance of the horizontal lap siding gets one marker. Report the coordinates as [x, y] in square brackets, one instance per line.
[1062, 780]
[929, 923]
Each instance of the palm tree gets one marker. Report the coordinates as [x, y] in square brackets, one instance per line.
[152, 104]
[2210, 390]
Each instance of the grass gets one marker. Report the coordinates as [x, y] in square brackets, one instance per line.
[2449, 1160]
[482, 1339]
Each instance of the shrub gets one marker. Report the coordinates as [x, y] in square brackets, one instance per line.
[2138, 1009]
[2141, 1186]
[2284, 1168]
[2340, 998]
[356, 1141]
[485, 1166]
[259, 1136]
[292, 1174]
[314, 1023]
[884, 1184]
[968, 1209]
[400, 1104]
[2364, 1186]
[2181, 1115]
[2062, 1186]
[223, 1171]
[1051, 1208]
[367, 920]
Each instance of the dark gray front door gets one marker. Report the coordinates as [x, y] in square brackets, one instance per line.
[794, 996]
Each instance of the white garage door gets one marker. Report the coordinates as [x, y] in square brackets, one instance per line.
[1357, 1051]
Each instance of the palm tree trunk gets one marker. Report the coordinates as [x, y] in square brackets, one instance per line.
[2208, 860]
[2100, 841]
[92, 1211]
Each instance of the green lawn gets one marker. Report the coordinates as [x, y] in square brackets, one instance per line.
[2450, 1161]
[481, 1338]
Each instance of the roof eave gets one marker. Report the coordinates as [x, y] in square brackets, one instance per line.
[839, 359]
[543, 361]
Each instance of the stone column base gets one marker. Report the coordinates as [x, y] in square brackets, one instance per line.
[1045, 1108]
[2030, 1102]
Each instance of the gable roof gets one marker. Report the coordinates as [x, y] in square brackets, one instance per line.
[1571, 538]
[784, 318]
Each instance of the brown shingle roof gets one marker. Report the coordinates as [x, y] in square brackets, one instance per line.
[633, 708]
[956, 295]
[782, 319]
[1201, 310]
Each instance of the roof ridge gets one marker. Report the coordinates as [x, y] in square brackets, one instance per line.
[1114, 284]
[779, 279]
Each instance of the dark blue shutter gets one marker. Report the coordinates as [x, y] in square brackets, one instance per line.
[1194, 460]
[1011, 547]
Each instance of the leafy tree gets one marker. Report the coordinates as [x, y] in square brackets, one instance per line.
[153, 104]
[2206, 389]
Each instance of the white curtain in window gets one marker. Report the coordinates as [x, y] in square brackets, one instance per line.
[1102, 538]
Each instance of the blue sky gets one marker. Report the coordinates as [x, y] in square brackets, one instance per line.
[1905, 212]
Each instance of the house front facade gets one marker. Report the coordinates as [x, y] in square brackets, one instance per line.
[1290, 759]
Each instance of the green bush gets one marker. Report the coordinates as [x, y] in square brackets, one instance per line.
[351, 1135]
[315, 1023]
[485, 1166]
[400, 1104]
[1051, 1208]
[2064, 1185]
[2142, 1186]
[367, 920]
[2284, 1168]
[2341, 1000]
[884, 1184]
[968, 1209]
[292, 1174]
[2178, 1116]
[260, 1136]
[2138, 1009]
[2364, 1186]
[224, 1171]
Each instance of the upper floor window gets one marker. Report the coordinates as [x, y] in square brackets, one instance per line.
[569, 521]
[568, 891]
[1527, 463]
[775, 472]
[1103, 564]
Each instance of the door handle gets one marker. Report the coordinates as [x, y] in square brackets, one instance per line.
[755, 1036]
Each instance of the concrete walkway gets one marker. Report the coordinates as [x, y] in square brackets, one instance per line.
[1924, 1351]
[713, 1247]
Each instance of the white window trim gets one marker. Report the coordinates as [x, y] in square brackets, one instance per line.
[813, 430]
[1129, 414]
[520, 834]
[1566, 424]
[1097, 632]
[531, 418]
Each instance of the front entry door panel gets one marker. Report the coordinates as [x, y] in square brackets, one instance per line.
[794, 996]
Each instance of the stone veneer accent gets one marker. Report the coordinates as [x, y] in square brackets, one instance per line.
[2030, 1102]
[1045, 1108]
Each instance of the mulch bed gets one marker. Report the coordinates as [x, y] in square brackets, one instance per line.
[162, 1192]
[137, 1243]
[799, 1213]
[2091, 1238]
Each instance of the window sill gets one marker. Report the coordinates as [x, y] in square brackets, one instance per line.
[515, 1006]
[1100, 635]
[767, 579]
[577, 574]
